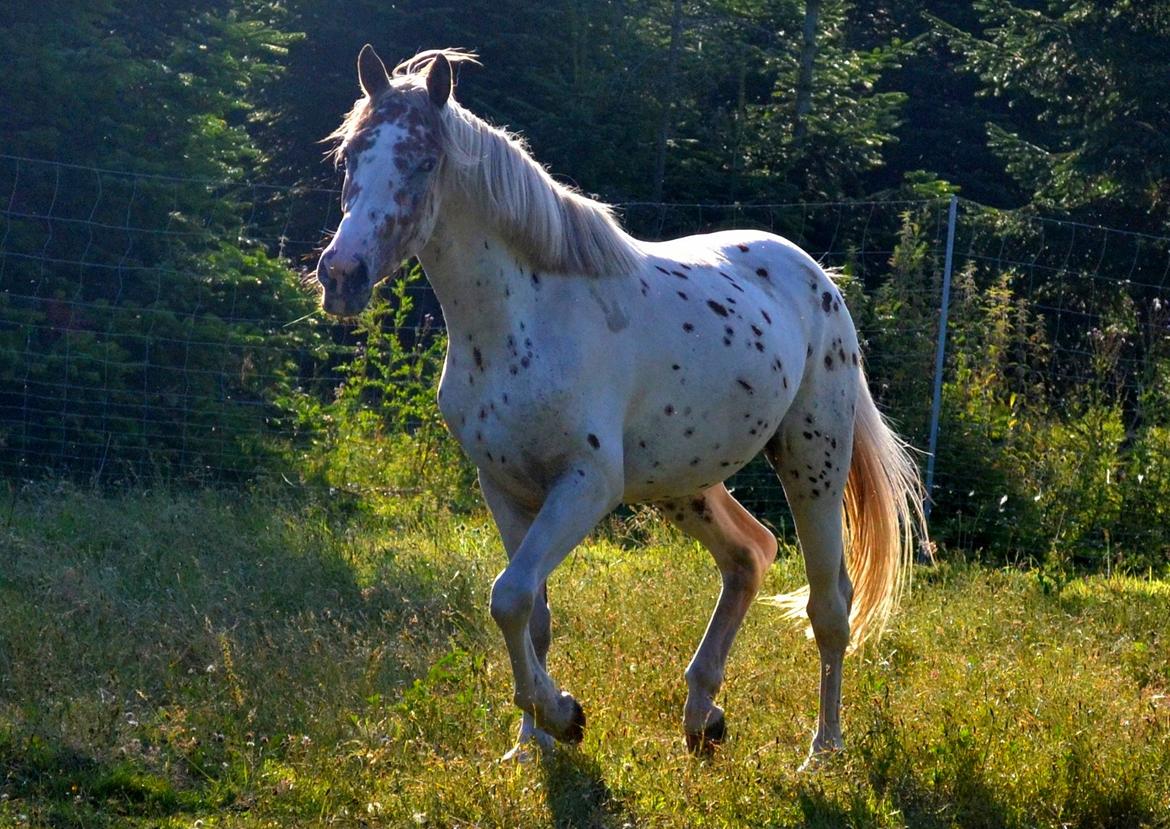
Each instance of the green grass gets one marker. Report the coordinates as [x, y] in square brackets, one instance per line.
[239, 660]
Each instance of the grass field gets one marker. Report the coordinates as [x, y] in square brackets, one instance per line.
[241, 660]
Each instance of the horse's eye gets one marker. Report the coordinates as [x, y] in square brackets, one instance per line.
[427, 165]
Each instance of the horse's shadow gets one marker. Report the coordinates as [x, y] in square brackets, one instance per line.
[578, 795]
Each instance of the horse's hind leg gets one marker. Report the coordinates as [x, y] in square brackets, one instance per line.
[811, 453]
[743, 550]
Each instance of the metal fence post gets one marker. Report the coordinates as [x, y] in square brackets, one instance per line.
[940, 353]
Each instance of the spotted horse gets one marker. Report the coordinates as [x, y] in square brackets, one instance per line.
[586, 368]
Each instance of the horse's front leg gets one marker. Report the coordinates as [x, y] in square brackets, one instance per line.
[513, 521]
[572, 507]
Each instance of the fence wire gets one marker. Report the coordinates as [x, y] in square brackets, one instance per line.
[155, 327]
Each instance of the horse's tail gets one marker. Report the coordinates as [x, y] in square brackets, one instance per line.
[883, 514]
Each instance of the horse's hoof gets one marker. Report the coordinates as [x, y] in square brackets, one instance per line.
[711, 736]
[575, 732]
[521, 754]
[820, 756]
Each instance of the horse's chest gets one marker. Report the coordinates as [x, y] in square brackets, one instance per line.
[512, 424]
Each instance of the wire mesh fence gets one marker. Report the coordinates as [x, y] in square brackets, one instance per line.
[154, 327]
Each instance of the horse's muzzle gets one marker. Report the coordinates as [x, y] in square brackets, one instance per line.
[347, 291]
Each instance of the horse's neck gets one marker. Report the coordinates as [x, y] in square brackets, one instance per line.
[482, 285]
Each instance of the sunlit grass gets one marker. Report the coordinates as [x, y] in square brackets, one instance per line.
[248, 661]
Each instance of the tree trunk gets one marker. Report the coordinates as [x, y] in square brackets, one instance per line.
[668, 95]
[804, 81]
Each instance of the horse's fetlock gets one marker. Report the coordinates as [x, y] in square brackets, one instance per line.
[705, 678]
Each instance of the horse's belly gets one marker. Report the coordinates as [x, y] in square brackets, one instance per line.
[679, 444]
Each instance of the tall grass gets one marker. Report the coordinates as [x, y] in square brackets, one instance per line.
[265, 661]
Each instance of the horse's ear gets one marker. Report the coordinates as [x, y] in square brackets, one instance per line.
[371, 72]
[439, 80]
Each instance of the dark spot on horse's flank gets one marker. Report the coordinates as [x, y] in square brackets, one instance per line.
[759, 346]
[726, 341]
[475, 352]
[743, 247]
[688, 327]
[536, 279]
[808, 419]
[688, 432]
[684, 266]
[675, 366]
[854, 358]
[581, 473]
[489, 456]
[762, 272]
[757, 330]
[641, 444]
[645, 287]
[829, 362]
[833, 443]
[776, 364]
[681, 295]
[826, 301]
[694, 461]
[836, 306]
[746, 385]
[808, 351]
[513, 370]
[785, 379]
[680, 274]
[664, 270]
[669, 410]
[505, 398]
[841, 354]
[729, 331]
[593, 441]
[524, 361]
[817, 432]
[482, 413]
[717, 308]
[767, 318]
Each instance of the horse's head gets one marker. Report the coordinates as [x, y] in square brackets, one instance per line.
[392, 151]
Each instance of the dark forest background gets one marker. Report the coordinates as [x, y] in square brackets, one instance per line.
[156, 156]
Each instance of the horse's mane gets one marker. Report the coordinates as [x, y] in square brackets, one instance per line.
[555, 228]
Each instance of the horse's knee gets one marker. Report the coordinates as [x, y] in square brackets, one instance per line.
[511, 601]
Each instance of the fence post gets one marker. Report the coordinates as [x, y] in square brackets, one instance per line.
[940, 353]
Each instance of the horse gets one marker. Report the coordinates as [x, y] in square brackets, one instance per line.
[586, 368]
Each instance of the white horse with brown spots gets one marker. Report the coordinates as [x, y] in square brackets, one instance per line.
[586, 368]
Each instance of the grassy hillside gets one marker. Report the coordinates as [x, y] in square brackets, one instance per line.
[251, 661]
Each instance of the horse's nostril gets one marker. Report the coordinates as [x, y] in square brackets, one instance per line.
[323, 276]
[360, 273]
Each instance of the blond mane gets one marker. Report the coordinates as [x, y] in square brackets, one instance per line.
[554, 228]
